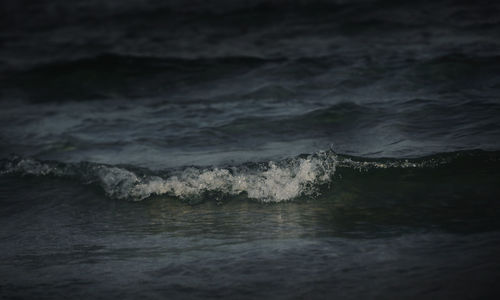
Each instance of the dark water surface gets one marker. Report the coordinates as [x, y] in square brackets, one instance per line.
[249, 149]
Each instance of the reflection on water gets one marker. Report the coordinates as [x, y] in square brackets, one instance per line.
[364, 237]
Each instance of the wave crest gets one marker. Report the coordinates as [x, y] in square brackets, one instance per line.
[277, 182]
[267, 182]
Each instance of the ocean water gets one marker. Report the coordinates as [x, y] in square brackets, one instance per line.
[249, 149]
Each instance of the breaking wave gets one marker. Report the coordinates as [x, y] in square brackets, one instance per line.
[267, 181]
[271, 181]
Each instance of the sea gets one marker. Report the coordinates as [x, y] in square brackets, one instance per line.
[260, 149]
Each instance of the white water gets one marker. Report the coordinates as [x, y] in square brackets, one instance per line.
[271, 182]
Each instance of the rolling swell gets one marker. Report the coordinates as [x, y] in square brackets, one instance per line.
[109, 75]
[323, 175]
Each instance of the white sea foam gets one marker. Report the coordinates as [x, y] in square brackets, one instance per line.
[277, 182]
[269, 182]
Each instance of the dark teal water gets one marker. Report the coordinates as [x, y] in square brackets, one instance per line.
[246, 150]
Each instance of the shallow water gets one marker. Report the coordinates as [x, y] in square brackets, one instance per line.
[252, 149]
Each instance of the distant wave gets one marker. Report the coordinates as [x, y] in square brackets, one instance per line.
[271, 181]
[104, 61]
[109, 74]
